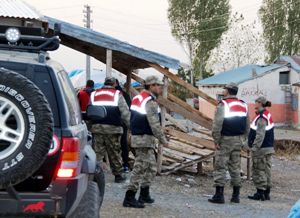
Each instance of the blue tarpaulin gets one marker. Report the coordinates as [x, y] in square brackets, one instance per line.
[78, 78]
[295, 211]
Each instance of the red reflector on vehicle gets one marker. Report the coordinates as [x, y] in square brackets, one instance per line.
[71, 144]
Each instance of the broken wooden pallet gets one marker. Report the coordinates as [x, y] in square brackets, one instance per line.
[184, 150]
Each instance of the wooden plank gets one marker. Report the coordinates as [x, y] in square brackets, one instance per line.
[207, 122]
[170, 167]
[163, 124]
[185, 148]
[137, 78]
[204, 142]
[173, 156]
[186, 85]
[176, 123]
[168, 159]
[179, 148]
[172, 106]
[186, 142]
[108, 63]
[203, 131]
[186, 164]
[181, 107]
[186, 156]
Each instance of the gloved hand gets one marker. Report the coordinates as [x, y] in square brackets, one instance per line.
[245, 145]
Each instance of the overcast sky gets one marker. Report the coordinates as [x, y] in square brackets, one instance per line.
[142, 23]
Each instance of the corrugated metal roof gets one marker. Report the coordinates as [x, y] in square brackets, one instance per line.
[95, 44]
[18, 9]
[239, 75]
[294, 61]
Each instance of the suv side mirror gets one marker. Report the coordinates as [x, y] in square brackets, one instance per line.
[96, 113]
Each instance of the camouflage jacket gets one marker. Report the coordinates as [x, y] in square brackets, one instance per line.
[140, 141]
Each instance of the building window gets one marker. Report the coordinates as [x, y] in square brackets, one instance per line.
[284, 78]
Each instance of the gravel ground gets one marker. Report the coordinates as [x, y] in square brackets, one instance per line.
[188, 198]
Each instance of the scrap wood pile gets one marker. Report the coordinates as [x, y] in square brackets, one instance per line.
[185, 150]
[190, 141]
[189, 146]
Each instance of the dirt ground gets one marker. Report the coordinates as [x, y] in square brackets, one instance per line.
[185, 196]
[287, 134]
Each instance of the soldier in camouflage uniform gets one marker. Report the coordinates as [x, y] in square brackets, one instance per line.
[261, 140]
[230, 131]
[107, 133]
[145, 128]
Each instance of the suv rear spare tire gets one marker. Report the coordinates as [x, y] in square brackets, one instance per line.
[26, 128]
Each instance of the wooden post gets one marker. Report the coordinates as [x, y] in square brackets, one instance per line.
[200, 168]
[128, 82]
[248, 165]
[163, 123]
[108, 63]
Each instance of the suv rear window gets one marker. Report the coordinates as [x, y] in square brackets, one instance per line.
[40, 75]
[71, 98]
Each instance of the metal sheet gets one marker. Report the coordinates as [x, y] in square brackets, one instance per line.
[88, 40]
[18, 9]
[240, 75]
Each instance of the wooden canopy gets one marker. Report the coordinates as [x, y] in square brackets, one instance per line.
[126, 57]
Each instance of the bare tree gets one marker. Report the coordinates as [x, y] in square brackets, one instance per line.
[242, 44]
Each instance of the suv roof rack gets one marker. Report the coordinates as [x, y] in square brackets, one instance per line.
[28, 39]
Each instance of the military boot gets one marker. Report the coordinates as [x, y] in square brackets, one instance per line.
[258, 196]
[145, 196]
[218, 198]
[267, 193]
[235, 195]
[130, 200]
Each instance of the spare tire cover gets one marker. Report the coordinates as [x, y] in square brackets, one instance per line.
[26, 128]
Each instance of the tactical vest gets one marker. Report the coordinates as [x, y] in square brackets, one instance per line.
[109, 98]
[235, 117]
[269, 136]
[138, 121]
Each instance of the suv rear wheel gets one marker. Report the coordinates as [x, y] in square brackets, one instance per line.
[89, 206]
[26, 128]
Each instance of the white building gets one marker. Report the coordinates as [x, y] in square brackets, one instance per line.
[278, 82]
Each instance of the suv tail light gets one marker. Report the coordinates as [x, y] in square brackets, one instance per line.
[69, 159]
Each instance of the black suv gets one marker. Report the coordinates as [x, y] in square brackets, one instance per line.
[47, 164]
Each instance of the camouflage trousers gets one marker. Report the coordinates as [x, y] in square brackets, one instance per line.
[89, 125]
[109, 143]
[228, 157]
[261, 171]
[144, 169]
